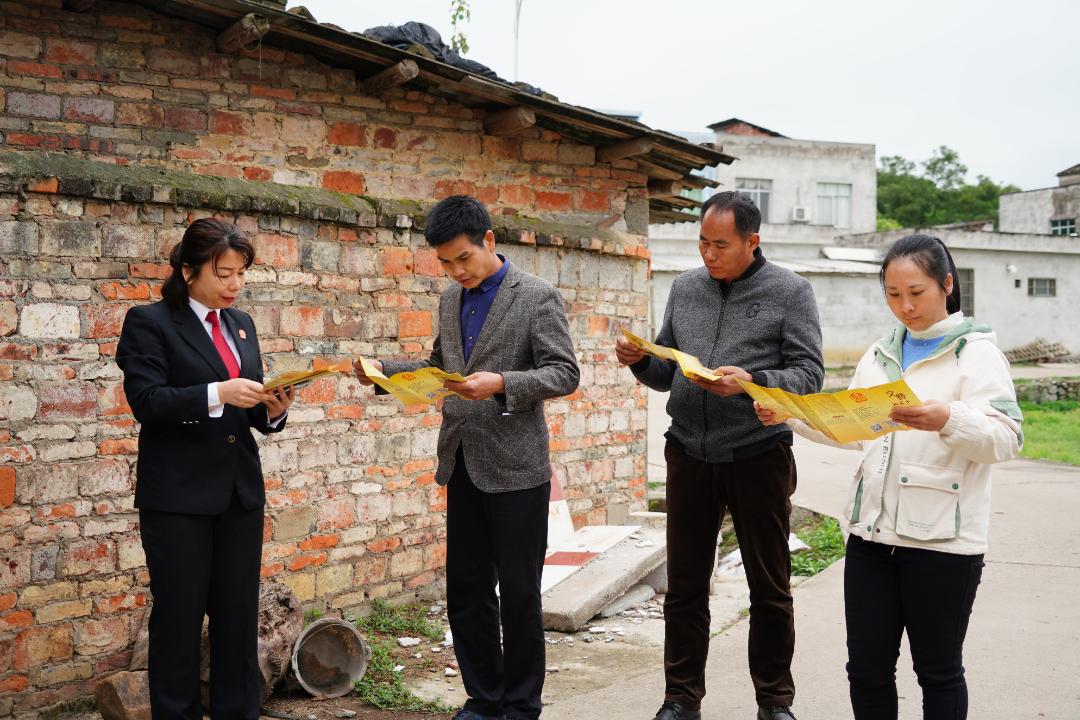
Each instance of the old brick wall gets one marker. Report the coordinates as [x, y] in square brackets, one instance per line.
[352, 512]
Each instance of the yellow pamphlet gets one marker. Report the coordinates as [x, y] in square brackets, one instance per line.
[845, 416]
[418, 387]
[300, 378]
[691, 367]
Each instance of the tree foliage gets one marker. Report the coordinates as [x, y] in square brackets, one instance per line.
[459, 15]
[938, 195]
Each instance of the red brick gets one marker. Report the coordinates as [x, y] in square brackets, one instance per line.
[111, 400]
[396, 260]
[91, 110]
[552, 200]
[13, 684]
[320, 542]
[337, 514]
[104, 321]
[124, 291]
[47, 186]
[346, 133]
[61, 401]
[16, 620]
[301, 321]
[384, 138]
[16, 67]
[277, 250]
[344, 181]
[426, 262]
[446, 188]
[319, 392]
[16, 454]
[123, 446]
[345, 412]
[88, 557]
[272, 92]
[226, 123]
[535, 151]
[70, 52]
[591, 201]
[487, 194]
[515, 195]
[304, 561]
[149, 270]
[185, 118]
[30, 140]
[140, 114]
[42, 644]
[384, 545]
[414, 323]
[174, 62]
[502, 148]
[126, 22]
[257, 173]
[409, 107]
[13, 351]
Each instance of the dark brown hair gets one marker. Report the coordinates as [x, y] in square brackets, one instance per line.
[205, 240]
[933, 258]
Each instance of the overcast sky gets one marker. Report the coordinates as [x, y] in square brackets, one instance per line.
[997, 81]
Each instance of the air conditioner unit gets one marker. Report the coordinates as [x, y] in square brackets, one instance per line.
[800, 214]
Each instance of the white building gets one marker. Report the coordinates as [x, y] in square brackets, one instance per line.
[809, 192]
[1047, 211]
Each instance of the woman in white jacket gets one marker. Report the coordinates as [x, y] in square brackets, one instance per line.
[919, 507]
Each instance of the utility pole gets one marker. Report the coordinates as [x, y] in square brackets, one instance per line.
[517, 25]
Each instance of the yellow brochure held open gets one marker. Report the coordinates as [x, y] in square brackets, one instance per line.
[417, 387]
[691, 367]
[844, 416]
[300, 378]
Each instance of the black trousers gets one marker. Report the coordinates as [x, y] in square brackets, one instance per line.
[756, 491]
[888, 590]
[497, 538]
[204, 564]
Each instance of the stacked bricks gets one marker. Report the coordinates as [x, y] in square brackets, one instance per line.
[109, 84]
[352, 513]
[352, 510]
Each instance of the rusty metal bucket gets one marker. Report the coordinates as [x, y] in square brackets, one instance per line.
[329, 657]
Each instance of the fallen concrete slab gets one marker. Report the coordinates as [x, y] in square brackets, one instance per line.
[573, 602]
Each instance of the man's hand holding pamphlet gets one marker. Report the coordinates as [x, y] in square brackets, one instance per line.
[844, 416]
[419, 387]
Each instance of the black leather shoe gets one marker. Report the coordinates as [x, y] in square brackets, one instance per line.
[674, 711]
[778, 712]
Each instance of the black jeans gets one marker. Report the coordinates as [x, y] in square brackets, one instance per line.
[888, 590]
[497, 537]
[756, 491]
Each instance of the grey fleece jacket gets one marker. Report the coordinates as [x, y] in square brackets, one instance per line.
[765, 322]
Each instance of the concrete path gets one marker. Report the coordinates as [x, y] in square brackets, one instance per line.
[1023, 648]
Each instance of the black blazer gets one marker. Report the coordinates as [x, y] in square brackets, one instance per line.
[188, 461]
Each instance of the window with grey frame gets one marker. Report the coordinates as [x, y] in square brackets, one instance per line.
[1063, 226]
[834, 204]
[967, 290]
[758, 190]
[1042, 287]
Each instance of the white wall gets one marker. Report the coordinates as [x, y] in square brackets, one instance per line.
[1026, 212]
[1016, 317]
[796, 167]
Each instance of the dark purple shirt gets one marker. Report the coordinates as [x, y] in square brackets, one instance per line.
[475, 304]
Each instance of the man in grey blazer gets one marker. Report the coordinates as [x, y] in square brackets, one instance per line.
[506, 331]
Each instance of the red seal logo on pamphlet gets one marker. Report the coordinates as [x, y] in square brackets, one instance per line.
[857, 397]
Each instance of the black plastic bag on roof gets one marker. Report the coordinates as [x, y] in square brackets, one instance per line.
[413, 33]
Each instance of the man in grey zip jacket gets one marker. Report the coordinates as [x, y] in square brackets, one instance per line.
[756, 321]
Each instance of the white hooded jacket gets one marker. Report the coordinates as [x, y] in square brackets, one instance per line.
[931, 490]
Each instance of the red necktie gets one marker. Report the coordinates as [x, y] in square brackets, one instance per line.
[226, 354]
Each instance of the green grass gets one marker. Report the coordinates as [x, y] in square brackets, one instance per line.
[1052, 431]
[826, 547]
[381, 686]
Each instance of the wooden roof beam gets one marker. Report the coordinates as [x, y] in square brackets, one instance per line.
[664, 188]
[78, 5]
[397, 74]
[509, 121]
[629, 148]
[244, 34]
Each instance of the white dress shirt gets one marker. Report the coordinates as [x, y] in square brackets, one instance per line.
[213, 400]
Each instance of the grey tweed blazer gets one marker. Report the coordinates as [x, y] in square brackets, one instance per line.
[526, 338]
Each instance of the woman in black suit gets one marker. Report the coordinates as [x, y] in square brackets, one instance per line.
[193, 377]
